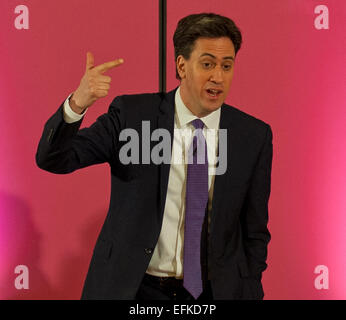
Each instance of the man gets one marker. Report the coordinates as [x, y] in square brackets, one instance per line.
[173, 231]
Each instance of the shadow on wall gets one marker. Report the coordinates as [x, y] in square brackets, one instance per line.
[74, 265]
[19, 245]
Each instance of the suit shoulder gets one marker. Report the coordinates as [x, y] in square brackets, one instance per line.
[138, 101]
[244, 119]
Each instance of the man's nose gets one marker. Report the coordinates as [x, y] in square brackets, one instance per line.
[217, 75]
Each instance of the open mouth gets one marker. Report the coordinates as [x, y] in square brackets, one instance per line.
[213, 93]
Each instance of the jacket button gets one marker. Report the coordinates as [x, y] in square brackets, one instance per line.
[148, 250]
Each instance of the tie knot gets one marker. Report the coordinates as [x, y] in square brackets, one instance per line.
[198, 123]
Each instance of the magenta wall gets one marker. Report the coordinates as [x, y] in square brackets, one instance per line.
[288, 73]
[50, 222]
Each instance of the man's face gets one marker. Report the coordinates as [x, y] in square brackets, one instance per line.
[207, 75]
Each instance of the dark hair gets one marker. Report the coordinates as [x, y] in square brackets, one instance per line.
[206, 25]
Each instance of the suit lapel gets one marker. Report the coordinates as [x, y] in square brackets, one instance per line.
[221, 181]
[166, 121]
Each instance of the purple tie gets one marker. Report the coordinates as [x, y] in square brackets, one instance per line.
[196, 202]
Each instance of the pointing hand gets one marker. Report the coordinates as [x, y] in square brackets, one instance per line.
[93, 85]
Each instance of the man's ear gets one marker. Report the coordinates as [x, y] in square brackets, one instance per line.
[181, 66]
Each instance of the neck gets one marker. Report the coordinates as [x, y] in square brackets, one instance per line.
[184, 94]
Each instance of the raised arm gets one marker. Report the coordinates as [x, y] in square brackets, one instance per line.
[64, 148]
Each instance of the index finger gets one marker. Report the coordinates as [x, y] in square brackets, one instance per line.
[108, 65]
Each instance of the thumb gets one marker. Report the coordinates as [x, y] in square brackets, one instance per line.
[89, 61]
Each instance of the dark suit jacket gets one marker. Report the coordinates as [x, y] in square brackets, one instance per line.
[237, 246]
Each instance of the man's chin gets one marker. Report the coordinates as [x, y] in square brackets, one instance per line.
[207, 111]
[212, 106]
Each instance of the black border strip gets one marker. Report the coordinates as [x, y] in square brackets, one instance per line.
[162, 44]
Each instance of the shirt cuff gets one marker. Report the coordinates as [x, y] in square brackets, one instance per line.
[69, 115]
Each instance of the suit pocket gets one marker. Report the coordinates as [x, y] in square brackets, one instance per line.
[252, 287]
[243, 269]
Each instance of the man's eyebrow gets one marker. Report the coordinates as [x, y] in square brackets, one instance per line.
[210, 55]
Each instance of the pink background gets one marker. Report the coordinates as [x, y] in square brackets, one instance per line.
[288, 74]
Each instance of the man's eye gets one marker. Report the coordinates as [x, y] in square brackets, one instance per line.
[227, 66]
[206, 65]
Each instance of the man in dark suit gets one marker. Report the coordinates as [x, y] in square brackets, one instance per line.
[176, 230]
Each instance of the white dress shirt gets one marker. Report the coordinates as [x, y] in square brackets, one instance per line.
[167, 259]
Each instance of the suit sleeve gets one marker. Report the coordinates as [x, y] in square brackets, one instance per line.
[64, 148]
[255, 211]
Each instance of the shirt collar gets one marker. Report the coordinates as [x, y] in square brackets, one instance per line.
[184, 115]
